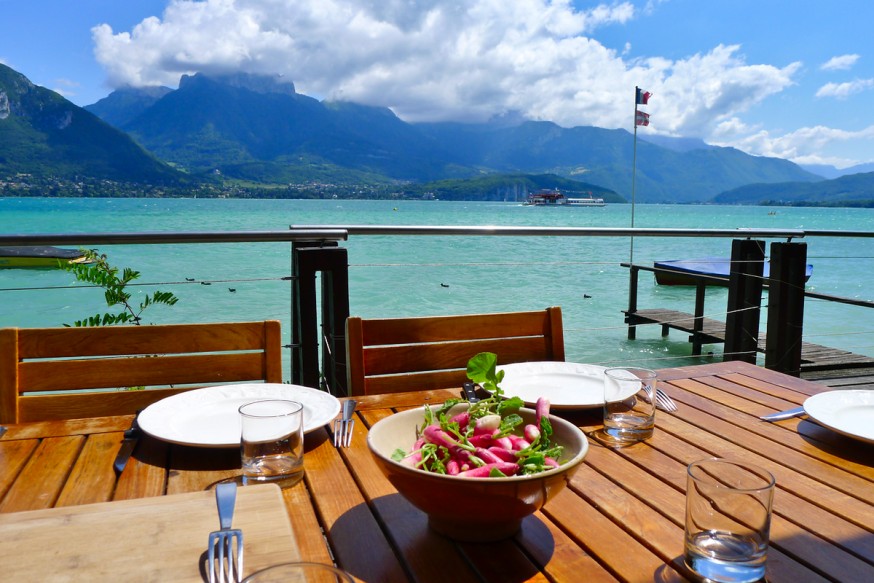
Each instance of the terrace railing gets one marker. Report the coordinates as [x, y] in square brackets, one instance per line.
[317, 316]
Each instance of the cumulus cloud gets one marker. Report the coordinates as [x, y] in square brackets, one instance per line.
[840, 63]
[438, 60]
[803, 146]
[844, 90]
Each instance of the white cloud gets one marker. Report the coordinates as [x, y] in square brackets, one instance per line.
[465, 60]
[802, 146]
[844, 90]
[840, 63]
[470, 60]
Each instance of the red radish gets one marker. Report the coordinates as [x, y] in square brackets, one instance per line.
[462, 419]
[433, 434]
[487, 424]
[506, 468]
[532, 432]
[504, 442]
[484, 440]
[541, 409]
[504, 454]
[487, 456]
[518, 442]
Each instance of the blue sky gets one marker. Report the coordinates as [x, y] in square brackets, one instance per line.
[777, 78]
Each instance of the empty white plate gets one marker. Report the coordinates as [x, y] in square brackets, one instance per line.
[567, 385]
[850, 412]
[209, 417]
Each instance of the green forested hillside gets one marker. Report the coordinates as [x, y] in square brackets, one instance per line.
[42, 134]
[850, 190]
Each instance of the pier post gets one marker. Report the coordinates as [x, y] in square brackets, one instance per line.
[744, 300]
[786, 307]
[332, 262]
[632, 300]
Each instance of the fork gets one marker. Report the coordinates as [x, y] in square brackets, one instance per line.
[665, 401]
[343, 426]
[226, 545]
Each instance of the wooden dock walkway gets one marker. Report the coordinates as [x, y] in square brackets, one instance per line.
[831, 366]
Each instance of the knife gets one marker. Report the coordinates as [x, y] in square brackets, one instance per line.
[783, 414]
[127, 445]
[469, 392]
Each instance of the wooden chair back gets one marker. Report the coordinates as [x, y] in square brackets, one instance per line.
[70, 373]
[393, 355]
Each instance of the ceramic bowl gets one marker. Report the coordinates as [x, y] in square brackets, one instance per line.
[473, 509]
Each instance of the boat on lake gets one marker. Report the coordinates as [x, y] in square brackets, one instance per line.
[41, 257]
[553, 197]
[586, 201]
[685, 271]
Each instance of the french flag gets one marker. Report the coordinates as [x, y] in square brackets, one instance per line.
[642, 97]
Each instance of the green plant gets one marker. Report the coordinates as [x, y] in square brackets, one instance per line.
[98, 272]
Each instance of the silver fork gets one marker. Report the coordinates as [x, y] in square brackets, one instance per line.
[226, 545]
[343, 426]
[665, 401]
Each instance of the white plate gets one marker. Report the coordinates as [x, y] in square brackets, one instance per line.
[567, 385]
[208, 417]
[850, 412]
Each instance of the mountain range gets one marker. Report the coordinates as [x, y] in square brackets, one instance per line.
[848, 190]
[42, 134]
[258, 131]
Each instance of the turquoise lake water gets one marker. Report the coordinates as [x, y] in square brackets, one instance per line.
[424, 275]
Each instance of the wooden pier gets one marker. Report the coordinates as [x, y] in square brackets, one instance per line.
[816, 360]
[831, 366]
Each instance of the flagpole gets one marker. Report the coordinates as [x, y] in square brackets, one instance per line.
[633, 173]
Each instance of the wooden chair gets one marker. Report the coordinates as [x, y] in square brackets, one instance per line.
[35, 363]
[413, 354]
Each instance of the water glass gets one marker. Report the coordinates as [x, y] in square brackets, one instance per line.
[299, 573]
[728, 520]
[629, 404]
[271, 442]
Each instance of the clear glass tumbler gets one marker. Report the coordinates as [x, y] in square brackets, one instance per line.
[299, 573]
[271, 442]
[629, 404]
[728, 520]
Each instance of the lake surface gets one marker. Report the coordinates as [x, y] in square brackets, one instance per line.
[425, 275]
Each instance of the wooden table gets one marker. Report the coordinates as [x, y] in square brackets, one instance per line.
[620, 519]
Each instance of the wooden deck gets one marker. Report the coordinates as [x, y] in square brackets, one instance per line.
[830, 366]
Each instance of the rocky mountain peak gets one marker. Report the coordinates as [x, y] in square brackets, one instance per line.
[264, 84]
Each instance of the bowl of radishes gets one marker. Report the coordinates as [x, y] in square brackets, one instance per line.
[478, 469]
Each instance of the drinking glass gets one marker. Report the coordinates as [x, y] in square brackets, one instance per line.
[728, 520]
[271, 442]
[629, 404]
[299, 573]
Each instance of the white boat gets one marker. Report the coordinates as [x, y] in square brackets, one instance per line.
[586, 201]
[548, 197]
